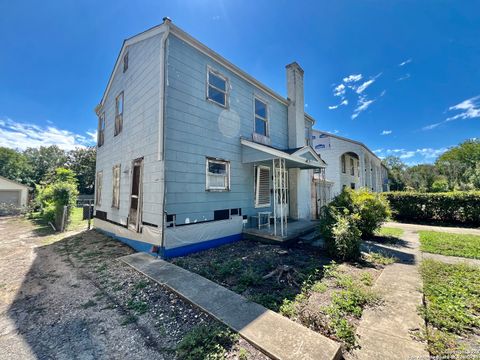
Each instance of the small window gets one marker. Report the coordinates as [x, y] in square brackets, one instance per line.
[101, 130]
[352, 167]
[217, 88]
[352, 186]
[308, 137]
[125, 62]
[262, 186]
[98, 189]
[344, 165]
[261, 118]
[218, 175]
[118, 114]
[116, 187]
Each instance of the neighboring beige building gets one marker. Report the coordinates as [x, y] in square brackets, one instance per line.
[13, 193]
[349, 164]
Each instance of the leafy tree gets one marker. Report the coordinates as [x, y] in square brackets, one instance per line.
[396, 172]
[421, 177]
[14, 165]
[82, 162]
[44, 160]
[459, 165]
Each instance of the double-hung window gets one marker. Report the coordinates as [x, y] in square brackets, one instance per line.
[261, 118]
[116, 187]
[344, 165]
[101, 130]
[352, 167]
[218, 175]
[98, 188]
[125, 62]
[118, 114]
[217, 88]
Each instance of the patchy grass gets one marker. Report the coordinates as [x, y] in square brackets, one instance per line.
[334, 305]
[379, 258]
[244, 268]
[462, 245]
[88, 304]
[206, 342]
[389, 232]
[76, 221]
[452, 306]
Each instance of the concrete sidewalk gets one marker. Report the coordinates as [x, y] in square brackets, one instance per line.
[273, 334]
[451, 259]
[386, 332]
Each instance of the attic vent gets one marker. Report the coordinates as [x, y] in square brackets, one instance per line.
[262, 187]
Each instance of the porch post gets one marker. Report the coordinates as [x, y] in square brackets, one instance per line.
[274, 199]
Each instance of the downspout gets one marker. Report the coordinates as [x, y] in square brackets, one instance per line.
[162, 113]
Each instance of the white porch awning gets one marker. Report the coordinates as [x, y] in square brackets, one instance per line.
[301, 158]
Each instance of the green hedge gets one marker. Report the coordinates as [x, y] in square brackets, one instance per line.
[449, 207]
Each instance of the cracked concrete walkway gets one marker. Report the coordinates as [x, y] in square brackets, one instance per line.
[270, 332]
[386, 332]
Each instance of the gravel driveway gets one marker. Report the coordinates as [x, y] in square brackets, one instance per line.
[69, 297]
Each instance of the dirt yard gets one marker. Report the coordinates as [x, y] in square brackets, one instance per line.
[68, 296]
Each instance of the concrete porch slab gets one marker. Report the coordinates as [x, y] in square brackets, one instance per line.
[273, 334]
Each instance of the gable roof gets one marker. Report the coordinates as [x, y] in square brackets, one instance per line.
[15, 182]
[168, 27]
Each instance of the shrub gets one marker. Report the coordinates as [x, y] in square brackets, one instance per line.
[372, 209]
[342, 236]
[449, 207]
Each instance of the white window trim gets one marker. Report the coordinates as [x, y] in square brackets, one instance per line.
[207, 174]
[256, 193]
[227, 86]
[267, 125]
[116, 205]
[98, 188]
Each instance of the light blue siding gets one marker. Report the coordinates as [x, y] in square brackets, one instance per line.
[196, 128]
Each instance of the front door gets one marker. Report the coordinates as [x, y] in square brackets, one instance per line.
[281, 186]
[135, 213]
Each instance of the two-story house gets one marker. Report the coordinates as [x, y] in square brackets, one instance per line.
[192, 151]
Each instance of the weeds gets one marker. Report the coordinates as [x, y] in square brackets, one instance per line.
[206, 342]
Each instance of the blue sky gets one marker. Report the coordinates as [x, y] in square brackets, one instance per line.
[401, 76]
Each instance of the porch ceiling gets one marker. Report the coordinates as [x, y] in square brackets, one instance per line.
[302, 158]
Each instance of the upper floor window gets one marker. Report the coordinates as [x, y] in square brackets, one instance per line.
[352, 167]
[308, 137]
[344, 164]
[101, 130]
[217, 88]
[125, 62]
[261, 117]
[218, 175]
[118, 114]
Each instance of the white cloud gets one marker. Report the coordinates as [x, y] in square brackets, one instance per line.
[383, 93]
[366, 84]
[421, 155]
[386, 132]
[339, 90]
[343, 103]
[467, 109]
[405, 77]
[18, 135]
[403, 63]
[352, 78]
[362, 105]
